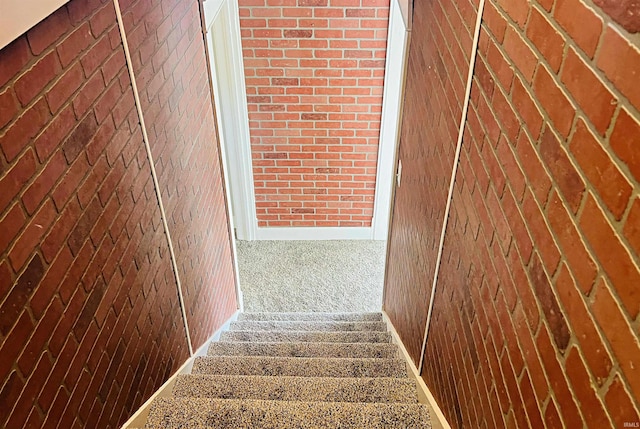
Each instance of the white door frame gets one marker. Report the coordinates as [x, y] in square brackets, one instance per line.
[394, 76]
[225, 47]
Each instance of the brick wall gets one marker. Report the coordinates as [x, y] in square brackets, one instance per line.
[90, 324]
[535, 322]
[314, 75]
[437, 71]
[168, 55]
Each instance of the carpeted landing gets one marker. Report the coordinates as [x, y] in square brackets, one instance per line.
[329, 276]
[295, 370]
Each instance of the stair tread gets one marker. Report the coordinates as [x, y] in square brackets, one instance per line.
[324, 389]
[230, 413]
[307, 336]
[300, 366]
[296, 325]
[304, 349]
[344, 317]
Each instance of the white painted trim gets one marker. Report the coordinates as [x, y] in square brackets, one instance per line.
[237, 163]
[314, 233]
[211, 10]
[156, 185]
[420, 384]
[139, 418]
[391, 120]
[454, 172]
[18, 16]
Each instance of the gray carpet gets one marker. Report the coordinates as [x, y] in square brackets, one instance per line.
[271, 386]
[311, 276]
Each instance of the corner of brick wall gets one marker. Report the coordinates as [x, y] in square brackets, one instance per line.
[314, 75]
[535, 321]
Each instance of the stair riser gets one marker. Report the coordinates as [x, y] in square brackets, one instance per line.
[300, 367]
[308, 326]
[335, 350]
[383, 390]
[229, 414]
[337, 317]
[318, 337]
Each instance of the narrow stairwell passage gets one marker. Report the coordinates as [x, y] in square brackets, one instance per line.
[296, 370]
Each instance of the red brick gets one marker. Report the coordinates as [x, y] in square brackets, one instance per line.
[41, 334]
[564, 173]
[10, 226]
[555, 373]
[610, 183]
[502, 69]
[36, 78]
[13, 58]
[619, 60]
[54, 133]
[50, 283]
[20, 293]
[69, 83]
[48, 31]
[24, 129]
[518, 10]
[539, 180]
[75, 43]
[510, 123]
[619, 404]
[525, 106]
[625, 13]
[549, 303]
[583, 327]
[620, 336]
[589, 91]
[632, 226]
[623, 141]
[546, 38]
[103, 19]
[495, 21]
[612, 254]
[554, 101]
[521, 55]
[31, 236]
[581, 22]
[46, 179]
[8, 107]
[530, 403]
[540, 233]
[580, 261]
[96, 56]
[76, 141]
[113, 66]
[590, 405]
[551, 416]
[59, 232]
[88, 94]
[16, 178]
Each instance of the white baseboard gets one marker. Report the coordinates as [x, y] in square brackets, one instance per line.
[315, 233]
[139, 418]
[423, 390]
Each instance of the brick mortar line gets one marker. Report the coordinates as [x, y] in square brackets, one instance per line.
[156, 185]
[461, 128]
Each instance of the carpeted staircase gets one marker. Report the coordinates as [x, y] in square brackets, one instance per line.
[296, 370]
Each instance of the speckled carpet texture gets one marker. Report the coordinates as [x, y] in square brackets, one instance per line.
[324, 276]
[296, 370]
